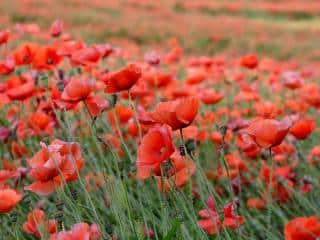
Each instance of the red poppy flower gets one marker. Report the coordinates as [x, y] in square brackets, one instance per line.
[46, 58]
[196, 75]
[41, 122]
[302, 228]
[156, 78]
[139, 91]
[268, 133]
[18, 150]
[256, 203]
[177, 114]
[23, 89]
[9, 198]
[174, 55]
[311, 94]
[56, 28]
[4, 99]
[47, 164]
[152, 58]
[246, 96]
[66, 48]
[78, 89]
[25, 54]
[37, 220]
[79, 231]
[123, 114]
[211, 97]
[96, 105]
[179, 171]
[265, 109]
[8, 174]
[302, 128]
[292, 80]
[230, 218]
[4, 36]
[210, 222]
[58, 102]
[123, 79]
[314, 154]
[7, 66]
[296, 105]
[155, 148]
[86, 57]
[217, 137]
[148, 232]
[104, 49]
[282, 190]
[249, 61]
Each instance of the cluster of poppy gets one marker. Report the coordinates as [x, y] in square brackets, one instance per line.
[146, 102]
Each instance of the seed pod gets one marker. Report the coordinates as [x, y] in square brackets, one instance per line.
[27, 199]
[223, 129]
[74, 194]
[59, 205]
[13, 217]
[60, 86]
[113, 100]
[182, 150]
[61, 74]
[109, 229]
[59, 217]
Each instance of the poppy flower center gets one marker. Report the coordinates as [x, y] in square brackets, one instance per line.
[25, 58]
[50, 61]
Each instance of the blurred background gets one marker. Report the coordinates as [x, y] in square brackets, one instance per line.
[281, 28]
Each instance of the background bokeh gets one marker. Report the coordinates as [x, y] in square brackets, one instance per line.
[281, 29]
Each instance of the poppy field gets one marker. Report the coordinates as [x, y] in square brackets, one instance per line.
[167, 120]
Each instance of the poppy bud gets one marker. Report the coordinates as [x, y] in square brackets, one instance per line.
[113, 100]
[4, 134]
[60, 86]
[56, 28]
[79, 70]
[223, 129]
[152, 58]
[74, 194]
[236, 202]
[4, 36]
[236, 185]
[191, 145]
[59, 217]
[61, 74]
[13, 217]
[133, 168]
[182, 150]
[109, 229]
[23, 172]
[148, 232]
[27, 199]
[249, 61]
[59, 205]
